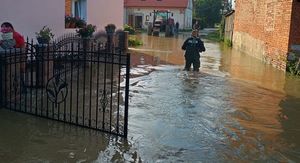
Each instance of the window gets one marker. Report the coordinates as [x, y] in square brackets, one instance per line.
[75, 13]
[79, 9]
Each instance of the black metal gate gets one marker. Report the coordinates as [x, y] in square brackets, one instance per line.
[78, 82]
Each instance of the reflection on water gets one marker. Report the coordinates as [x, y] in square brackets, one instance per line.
[237, 109]
[26, 138]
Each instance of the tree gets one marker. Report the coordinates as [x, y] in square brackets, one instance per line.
[208, 12]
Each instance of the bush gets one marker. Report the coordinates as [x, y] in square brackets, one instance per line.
[44, 35]
[293, 64]
[130, 29]
[132, 41]
[86, 31]
[228, 43]
[213, 36]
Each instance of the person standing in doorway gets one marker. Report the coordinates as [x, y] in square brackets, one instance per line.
[193, 46]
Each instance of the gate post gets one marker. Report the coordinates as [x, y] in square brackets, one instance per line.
[1, 82]
[127, 95]
[110, 30]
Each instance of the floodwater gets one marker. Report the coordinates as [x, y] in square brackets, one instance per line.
[236, 109]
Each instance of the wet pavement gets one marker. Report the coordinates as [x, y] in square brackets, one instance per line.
[236, 109]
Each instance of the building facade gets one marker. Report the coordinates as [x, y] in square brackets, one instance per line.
[229, 26]
[267, 29]
[139, 13]
[30, 16]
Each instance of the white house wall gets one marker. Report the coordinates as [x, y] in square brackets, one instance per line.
[103, 12]
[184, 17]
[29, 16]
[188, 20]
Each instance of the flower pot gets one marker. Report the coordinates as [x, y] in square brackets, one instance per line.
[42, 40]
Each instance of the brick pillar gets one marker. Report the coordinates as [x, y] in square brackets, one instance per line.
[110, 30]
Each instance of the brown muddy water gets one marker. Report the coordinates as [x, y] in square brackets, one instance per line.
[236, 109]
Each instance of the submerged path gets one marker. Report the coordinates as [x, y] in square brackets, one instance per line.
[236, 109]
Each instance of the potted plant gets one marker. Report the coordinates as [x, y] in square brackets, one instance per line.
[86, 31]
[44, 35]
[79, 23]
[110, 28]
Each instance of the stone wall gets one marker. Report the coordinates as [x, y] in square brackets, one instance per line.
[262, 29]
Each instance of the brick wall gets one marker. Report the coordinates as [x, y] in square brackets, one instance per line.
[262, 29]
[68, 7]
[295, 30]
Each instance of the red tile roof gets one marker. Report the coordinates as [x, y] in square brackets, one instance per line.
[157, 3]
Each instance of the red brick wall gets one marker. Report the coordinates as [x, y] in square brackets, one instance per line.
[268, 23]
[295, 26]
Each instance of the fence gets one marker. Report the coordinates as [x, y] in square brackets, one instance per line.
[77, 81]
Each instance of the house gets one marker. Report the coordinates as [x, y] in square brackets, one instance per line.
[139, 13]
[30, 16]
[267, 29]
[229, 24]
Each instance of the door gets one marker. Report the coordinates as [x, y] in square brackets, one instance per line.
[138, 22]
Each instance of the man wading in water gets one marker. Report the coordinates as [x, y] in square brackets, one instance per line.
[193, 46]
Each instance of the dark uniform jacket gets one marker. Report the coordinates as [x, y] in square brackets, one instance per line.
[193, 46]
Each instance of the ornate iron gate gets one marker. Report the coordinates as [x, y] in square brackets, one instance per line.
[76, 82]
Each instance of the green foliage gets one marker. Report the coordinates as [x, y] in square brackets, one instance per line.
[222, 28]
[45, 33]
[130, 29]
[74, 22]
[208, 12]
[79, 23]
[293, 67]
[86, 31]
[228, 43]
[133, 41]
[213, 36]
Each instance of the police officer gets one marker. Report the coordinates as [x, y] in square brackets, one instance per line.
[193, 46]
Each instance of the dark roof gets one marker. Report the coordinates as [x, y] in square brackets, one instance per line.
[229, 13]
